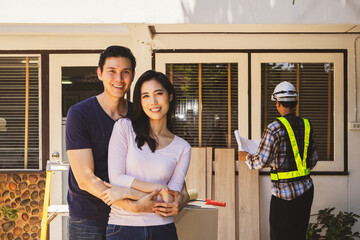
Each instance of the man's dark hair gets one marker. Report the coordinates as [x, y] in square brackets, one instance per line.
[117, 51]
[291, 104]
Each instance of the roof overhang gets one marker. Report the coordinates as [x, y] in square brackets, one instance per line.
[253, 28]
[63, 29]
[155, 29]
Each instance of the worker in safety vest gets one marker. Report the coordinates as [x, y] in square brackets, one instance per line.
[288, 148]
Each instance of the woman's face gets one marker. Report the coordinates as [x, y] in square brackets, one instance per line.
[155, 100]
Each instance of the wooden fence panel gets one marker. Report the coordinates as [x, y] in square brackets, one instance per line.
[249, 202]
[196, 175]
[225, 192]
[209, 170]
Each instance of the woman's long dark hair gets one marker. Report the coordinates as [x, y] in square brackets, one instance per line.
[140, 121]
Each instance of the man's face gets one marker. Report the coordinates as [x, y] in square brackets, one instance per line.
[117, 76]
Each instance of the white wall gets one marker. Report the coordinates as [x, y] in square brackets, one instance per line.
[354, 136]
[182, 11]
[338, 191]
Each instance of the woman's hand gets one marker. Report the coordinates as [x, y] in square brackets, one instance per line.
[167, 209]
[113, 194]
[165, 195]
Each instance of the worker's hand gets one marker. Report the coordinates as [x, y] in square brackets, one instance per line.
[172, 208]
[113, 194]
[242, 155]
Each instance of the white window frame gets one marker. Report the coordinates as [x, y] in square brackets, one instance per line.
[339, 133]
[161, 59]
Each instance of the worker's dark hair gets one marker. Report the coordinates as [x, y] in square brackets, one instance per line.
[117, 51]
[140, 120]
[291, 104]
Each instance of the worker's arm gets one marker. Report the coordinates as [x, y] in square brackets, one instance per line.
[173, 208]
[312, 151]
[265, 152]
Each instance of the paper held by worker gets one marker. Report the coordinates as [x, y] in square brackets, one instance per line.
[245, 144]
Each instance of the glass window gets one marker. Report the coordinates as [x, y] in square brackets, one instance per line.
[207, 102]
[314, 83]
[78, 83]
[19, 112]
[319, 79]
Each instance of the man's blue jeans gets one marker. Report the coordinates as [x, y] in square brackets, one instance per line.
[161, 232]
[86, 229]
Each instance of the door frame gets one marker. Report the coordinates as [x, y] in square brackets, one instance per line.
[59, 183]
[56, 62]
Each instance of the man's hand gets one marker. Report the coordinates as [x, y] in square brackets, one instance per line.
[170, 209]
[242, 155]
[113, 194]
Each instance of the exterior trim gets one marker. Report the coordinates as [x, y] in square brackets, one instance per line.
[255, 33]
[248, 51]
[45, 124]
[26, 171]
[249, 95]
[345, 112]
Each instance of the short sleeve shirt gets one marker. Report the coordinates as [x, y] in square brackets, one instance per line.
[89, 126]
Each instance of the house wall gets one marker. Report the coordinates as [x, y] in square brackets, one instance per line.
[183, 11]
[354, 136]
[338, 191]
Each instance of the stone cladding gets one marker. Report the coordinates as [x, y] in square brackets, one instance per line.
[22, 197]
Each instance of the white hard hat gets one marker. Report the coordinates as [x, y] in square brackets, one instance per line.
[284, 92]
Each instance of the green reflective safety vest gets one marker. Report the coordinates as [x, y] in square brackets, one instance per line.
[302, 170]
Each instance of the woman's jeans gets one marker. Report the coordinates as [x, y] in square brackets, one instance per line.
[160, 232]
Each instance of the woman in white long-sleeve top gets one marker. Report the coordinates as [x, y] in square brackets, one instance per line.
[145, 155]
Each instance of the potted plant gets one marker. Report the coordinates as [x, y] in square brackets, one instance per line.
[331, 227]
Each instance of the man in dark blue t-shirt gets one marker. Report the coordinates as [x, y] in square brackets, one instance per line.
[88, 129]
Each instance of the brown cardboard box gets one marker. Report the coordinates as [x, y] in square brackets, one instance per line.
[197, 221]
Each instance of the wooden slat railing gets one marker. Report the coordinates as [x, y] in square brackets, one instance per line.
[222, 186]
